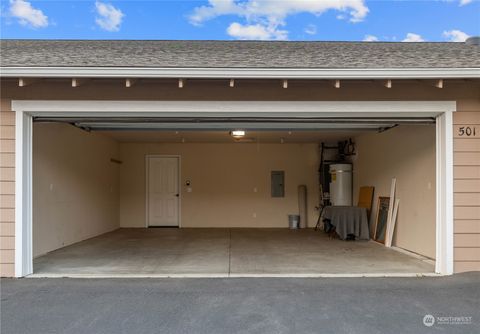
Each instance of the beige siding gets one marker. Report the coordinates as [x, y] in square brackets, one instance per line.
[7, 189]
[467, 192]
[466, 172]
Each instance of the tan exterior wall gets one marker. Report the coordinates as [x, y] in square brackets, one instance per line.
[466, 93]
[7, 189]
[406, 153]
[223, 181]
[467, 191]
[75, 186]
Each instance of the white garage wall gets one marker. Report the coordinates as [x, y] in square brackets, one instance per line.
[75, 186]
[223, 178]
[407, 153]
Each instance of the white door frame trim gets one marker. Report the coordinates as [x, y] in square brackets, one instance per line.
[27, 109]
[147, 185]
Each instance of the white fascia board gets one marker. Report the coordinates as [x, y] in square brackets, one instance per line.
[239, 108]
[240, 73]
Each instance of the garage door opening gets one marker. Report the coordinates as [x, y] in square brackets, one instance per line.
[102, 186]
[95, 161]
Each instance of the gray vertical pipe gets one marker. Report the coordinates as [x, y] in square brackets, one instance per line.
[302, 205]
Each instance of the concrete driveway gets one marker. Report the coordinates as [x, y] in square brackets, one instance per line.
[242, 305]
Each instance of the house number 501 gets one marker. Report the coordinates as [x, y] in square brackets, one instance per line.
[467, 131]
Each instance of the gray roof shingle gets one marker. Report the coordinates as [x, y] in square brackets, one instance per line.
[236, 54]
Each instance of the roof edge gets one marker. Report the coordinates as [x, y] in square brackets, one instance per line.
[240, 73]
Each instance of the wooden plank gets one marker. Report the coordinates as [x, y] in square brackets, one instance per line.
[463, 266]
[466, 212]
[7, 215]
[466, 117]
[5, 105]
[7, 242]
[7, 145]
[466, 145]
[466, 199]
[7, 270]
[7, 229]
[7, 201]
[7, 256]
[466, 240]
[7, 159]
[466, 172]
[7, 174]
[466, 158]
[467, 254]
[7, 118]
[7, 132]
[7, 188]
[467, 226]
[462, 186]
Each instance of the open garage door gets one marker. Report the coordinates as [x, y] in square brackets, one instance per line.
[231, 222]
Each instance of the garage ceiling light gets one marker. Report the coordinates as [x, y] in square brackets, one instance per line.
[237, 133]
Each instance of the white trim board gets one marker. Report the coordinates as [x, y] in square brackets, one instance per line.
[241, 73]
[25, 110]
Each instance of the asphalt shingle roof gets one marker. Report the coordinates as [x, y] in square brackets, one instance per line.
[236, 54]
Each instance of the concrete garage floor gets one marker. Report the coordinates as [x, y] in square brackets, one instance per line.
[224, 253]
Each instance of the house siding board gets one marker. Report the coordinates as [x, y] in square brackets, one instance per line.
[466, 192]
[7, 189]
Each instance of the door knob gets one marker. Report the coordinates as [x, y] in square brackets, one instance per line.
[177, 195]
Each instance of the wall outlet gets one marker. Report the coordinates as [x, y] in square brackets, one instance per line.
[254, 215]
[255, 190]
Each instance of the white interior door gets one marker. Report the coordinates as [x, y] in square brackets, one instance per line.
[163, 191]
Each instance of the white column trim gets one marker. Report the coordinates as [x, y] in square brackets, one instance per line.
[23, 194]
[444, 263]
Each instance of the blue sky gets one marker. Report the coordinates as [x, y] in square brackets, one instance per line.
[352, 20]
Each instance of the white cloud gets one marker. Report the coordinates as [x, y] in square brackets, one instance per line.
[311, 29]
[27, 15]
[255, 32]
[460, 2]
[370, 38]
[272, 14]
[411, 37]
[110, 18]
[455, 35]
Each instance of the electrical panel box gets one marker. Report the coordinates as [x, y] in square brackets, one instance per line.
[278, 183]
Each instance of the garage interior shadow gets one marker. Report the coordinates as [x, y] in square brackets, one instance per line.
[90, 212]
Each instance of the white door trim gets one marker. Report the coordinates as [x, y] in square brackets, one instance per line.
[25, 109]
[147, 184]
[444, 262]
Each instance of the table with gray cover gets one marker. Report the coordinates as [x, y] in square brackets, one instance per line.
[348, 220]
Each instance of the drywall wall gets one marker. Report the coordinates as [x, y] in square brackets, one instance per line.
[230, 183]
[75, 186]
[408, 154]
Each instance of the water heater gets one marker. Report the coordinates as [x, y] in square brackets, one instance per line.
[341, 184]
